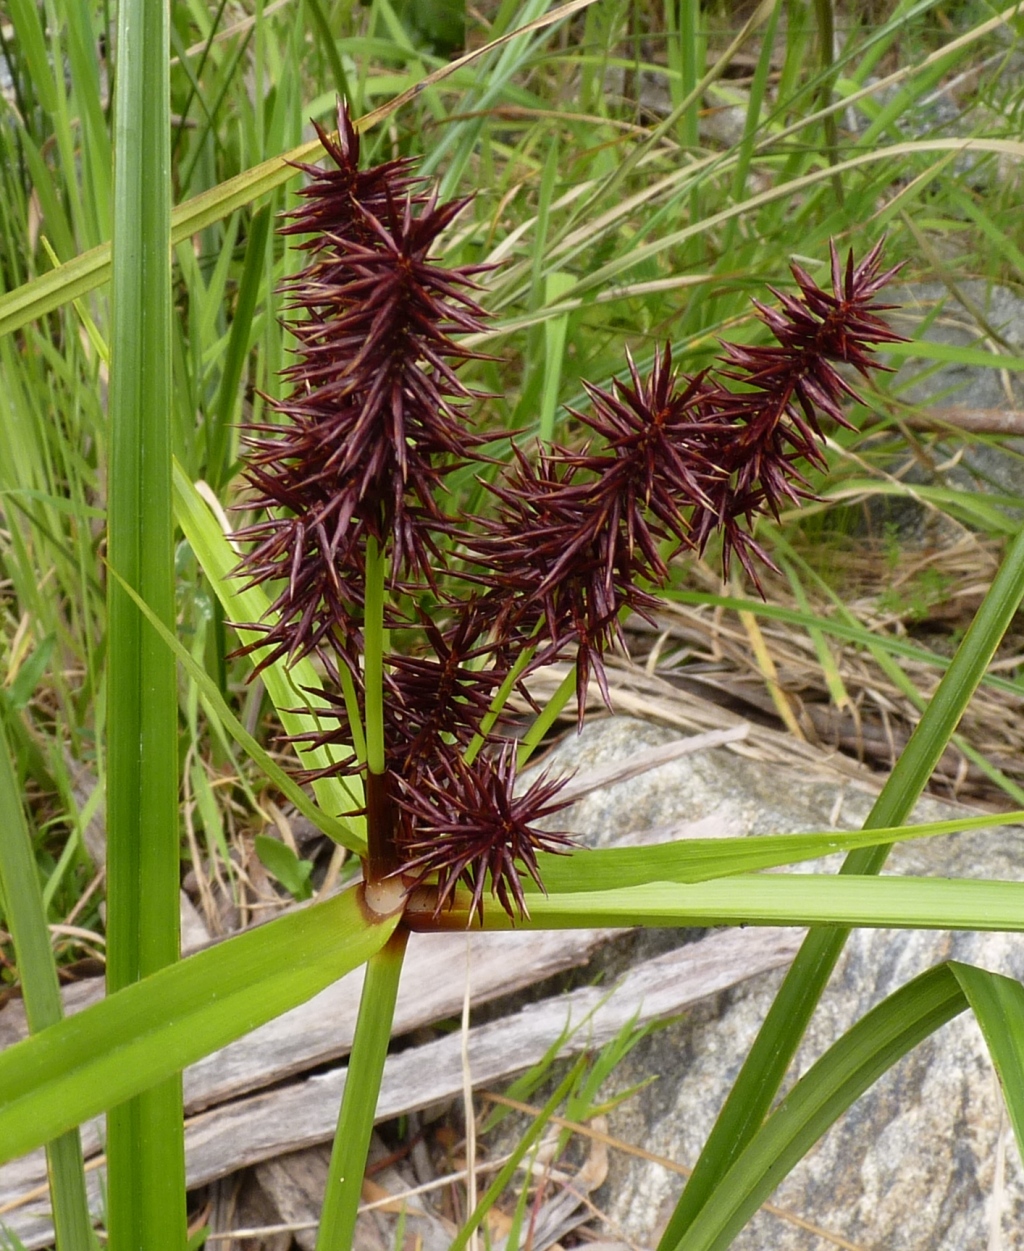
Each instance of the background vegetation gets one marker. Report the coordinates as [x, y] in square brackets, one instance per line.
[639, 171]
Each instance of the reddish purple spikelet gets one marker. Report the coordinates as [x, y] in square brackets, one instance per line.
[335, 198]
[559, 564]
[470, 824]
[774, 424]
[578, 534]
[440, 701]
[375, 419]
[434, 703]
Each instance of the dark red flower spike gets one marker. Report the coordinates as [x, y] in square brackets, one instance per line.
[678, 459]
[439, 701]
[335, 197]
[375, 387]
[655, 456]
[559, 565]
[434, 703]
[375, 418]
[773, 423]
[471, 826]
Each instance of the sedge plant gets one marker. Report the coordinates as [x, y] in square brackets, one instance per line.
[404, 626]
[351, 475]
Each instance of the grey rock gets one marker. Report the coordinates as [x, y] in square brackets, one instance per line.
[985, 466]
[1000, 307]
[924, 1160]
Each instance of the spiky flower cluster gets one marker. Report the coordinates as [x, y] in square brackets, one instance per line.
[374, 407]
[469, 824]
[576, 537]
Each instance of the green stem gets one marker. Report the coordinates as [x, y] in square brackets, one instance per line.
[772, 1053]
[546, 720]
[22, 908]
[355, 724]
[690, 47]
[359, 1102]
[145, 1172]
[498, 703]
[381, 853]
[826, 39]
[374, 646]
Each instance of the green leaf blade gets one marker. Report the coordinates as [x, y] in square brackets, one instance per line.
[833, 1084]
[776, 1044]
[288, 688]
[145, 1136]
[998, 1005]
[702, 859]
[156, 1027]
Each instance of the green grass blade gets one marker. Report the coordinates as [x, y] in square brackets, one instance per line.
[555, 330]
[886, 1034]
[145, 1136]
[953, 354]
[826, 52]
[87, 101]
[287, 688]
[849, 630]
[340, 831]
[1002, 243]
[330, 48]
[701, 859]
[219, 432]
[903, 683]
[785, 190]
[829, 669]
[776, 1043]
[998, 1005]
[830, 900]
[91, 269]
[374, 650]
[525, 1144]
[172, 1018]
[549, 714]
[25, 917]
[359, 1102]
[24, 16]
[755, 104]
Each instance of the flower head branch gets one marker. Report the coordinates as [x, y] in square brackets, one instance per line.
[351, 471]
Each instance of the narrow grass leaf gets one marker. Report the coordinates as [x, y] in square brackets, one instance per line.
[953, 354]
[829, 669]
[91, 269]
[158, 1026]
[25, 917]
[701, 859]
[279, 859]
[24, 17]
[288, 688]
[998, 1005]
[339, 830]
[555, 330]
[507, 1170]
[780, 1035]
[811, 899]
[849, 630]
[849, 1067]
[219, 428]
[145, 1136]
